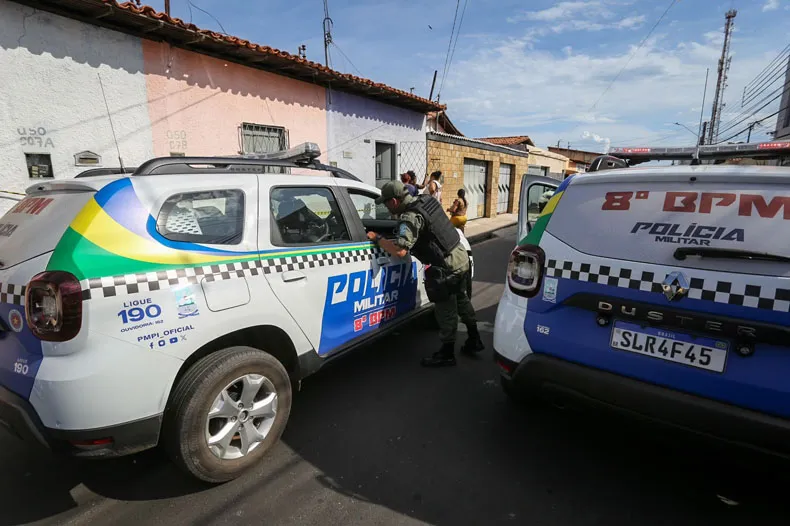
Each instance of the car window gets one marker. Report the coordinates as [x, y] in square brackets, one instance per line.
[537, 198]
[214, 217]
[366, 207]
[303, 215]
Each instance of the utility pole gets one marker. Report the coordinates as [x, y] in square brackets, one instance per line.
[327, 33]
[167, 7]
[433, 85]
[721, 83]
[700, 133]
[751, 127]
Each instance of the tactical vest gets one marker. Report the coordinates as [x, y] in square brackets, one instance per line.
[438, 237]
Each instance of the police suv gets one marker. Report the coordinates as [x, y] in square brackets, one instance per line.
[661, 291]
[178, 304]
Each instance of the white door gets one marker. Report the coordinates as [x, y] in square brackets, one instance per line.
[475, 185]
[310, 261]
[505, 171]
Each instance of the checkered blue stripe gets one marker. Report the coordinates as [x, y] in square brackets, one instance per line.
[12, 294]
[125, 284]
[756, 296]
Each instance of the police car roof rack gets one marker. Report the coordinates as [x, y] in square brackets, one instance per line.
[705, 152]
[301, 156]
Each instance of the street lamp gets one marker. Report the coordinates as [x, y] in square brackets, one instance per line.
[695, 134]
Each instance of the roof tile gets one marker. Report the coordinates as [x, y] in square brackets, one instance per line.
[150, 12]
[508, 140]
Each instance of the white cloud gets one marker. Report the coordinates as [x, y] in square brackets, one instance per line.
[574, 17]
[551, 95]
[597, 138]
[771, 5]
[631, 22]
[561, 11]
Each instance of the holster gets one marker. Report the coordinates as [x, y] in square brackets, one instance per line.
[439, 284]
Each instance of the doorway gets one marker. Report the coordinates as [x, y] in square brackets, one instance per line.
[385, 163]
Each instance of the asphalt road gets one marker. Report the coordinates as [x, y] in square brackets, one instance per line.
[375, 439]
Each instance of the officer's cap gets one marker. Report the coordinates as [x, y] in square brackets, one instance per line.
[391, 189]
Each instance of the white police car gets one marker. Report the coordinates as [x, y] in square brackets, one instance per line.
[179, 303]
[661, 291]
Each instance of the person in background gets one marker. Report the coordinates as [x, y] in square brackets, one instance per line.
[434, 187]
[458, 210]
[407, 179]
[413, 180]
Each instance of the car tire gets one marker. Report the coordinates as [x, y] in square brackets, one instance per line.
[209, 386]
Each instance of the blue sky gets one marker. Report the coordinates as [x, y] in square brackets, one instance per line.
[536, 68]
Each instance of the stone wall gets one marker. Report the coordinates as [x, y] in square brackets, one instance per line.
[449, 158]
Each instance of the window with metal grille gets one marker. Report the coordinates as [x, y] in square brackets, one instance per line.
[259, 138]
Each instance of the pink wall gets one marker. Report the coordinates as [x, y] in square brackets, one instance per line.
[197, 103]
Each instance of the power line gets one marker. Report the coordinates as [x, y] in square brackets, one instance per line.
[756, 79]
[209, 14]
[777, 112]
[449, 44]
[778, 74]
[634, 52]
[785, 90]
[189, 6]
[348, 59]
[457, 34]
[749, 113]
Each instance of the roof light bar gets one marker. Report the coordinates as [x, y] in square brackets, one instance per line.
[759, 150]
[304, 153]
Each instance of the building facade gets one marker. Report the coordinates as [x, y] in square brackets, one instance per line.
[541, 162]
[490, 174]
[135, 83]
[578, 160]
[372, 140]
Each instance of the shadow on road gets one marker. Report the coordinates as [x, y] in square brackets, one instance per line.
[378, 432]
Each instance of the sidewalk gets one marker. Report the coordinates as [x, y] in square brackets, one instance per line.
[481, 229]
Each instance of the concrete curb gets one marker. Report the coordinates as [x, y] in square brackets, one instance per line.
[483, 236]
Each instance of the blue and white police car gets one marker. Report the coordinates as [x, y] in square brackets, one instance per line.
[181, 303]
[660, 291]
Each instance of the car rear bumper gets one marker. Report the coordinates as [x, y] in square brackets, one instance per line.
[19, 418]
[564, 381]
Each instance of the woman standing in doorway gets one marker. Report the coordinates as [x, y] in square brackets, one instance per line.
[458, 210]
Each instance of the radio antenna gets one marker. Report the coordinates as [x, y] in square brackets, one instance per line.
[109, 117]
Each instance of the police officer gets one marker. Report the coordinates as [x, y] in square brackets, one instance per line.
[425, 230]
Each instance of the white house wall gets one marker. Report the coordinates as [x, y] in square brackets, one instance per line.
[51, 100]
[353, 120]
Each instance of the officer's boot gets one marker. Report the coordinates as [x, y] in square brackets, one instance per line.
[444, 357]
[473, 343]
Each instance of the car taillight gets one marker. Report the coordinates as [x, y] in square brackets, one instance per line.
[53, 306]
[525, 270]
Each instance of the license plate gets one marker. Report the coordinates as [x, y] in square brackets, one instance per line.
[695, 351]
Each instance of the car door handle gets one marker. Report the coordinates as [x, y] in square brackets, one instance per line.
[292, 275]
[382, 260]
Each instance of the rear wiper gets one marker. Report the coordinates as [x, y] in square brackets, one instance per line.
[727, 253]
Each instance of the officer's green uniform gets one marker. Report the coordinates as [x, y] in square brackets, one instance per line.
[425, 230]
[458, 304]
